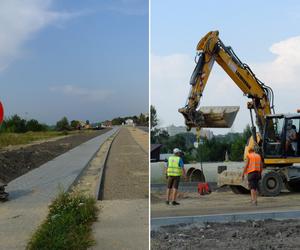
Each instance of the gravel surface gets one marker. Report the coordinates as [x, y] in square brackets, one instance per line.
[17, 162]
[124, 218]
[126, 174]
[249, 235]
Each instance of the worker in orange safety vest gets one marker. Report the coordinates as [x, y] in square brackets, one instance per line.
[253, 169]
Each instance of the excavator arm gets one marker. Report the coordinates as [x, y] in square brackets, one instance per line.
[210, 49]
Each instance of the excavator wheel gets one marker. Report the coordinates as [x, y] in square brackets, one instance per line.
[270, 184]
[239, 189]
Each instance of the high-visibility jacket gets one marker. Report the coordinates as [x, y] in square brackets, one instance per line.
[254, 163]
[174, 168]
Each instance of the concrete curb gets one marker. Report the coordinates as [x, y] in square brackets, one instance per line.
[156, 223]
[87, 164]
[99, 187]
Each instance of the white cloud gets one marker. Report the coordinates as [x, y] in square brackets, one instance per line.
[20, 20]
[94, 95]
[170, 83]
[283, 70]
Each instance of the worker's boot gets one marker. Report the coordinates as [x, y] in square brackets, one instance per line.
[175, 203]
[254, 203]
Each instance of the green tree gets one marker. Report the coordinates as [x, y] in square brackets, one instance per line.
[118, 121]
[34, 125]
[15, 124]
[75, 124]
[63, 124]
[142, 119]
[153, 117]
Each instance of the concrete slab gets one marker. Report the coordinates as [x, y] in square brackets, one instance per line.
[123, 224]
[31, 193]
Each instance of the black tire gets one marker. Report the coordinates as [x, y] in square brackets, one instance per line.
[3, 196]
[270, 184]
[293, 186]
[221, 169]
[239, 189]
[197, 176]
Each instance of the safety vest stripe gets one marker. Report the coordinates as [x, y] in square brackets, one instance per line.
[254, 163]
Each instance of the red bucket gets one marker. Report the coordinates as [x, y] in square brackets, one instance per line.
[203, 188]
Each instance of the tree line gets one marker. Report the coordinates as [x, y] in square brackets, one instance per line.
[210, 150]
[140, 120]
[17, 124]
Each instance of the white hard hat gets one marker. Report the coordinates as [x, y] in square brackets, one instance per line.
[176, 150]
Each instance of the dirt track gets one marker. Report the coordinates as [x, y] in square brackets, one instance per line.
[16, 162]
[244, 235]
[126, 174]
[123, 219]
[219, 203]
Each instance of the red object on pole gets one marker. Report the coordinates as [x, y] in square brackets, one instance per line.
[1, 112]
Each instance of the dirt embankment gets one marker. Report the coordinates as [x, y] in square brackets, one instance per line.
[249, 235]
[16, 162]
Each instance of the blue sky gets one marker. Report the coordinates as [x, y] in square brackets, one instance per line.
[83, 59]
[264, 34]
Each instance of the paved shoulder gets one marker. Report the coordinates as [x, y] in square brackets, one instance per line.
[31, 193]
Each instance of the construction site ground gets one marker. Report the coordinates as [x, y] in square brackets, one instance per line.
[123, 217]
[191, 203]
[250, 235]
[239, 235]
[18, 160]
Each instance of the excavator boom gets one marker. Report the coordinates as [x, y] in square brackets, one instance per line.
[211, 49]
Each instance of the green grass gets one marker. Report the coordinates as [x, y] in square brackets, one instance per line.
[68, 225]
[7, 139]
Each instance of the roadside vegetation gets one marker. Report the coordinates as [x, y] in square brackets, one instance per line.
[211, 150]
[7, 139]
[141, 120]
[68, 224]
[16, 130]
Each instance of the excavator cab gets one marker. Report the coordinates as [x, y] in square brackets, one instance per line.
[281, 137]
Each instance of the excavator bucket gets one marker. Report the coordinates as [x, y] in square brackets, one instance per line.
[218, 117]
[210, 116]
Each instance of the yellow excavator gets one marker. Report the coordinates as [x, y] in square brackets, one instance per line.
[280, 150]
